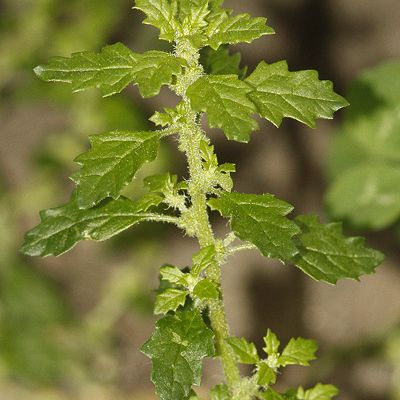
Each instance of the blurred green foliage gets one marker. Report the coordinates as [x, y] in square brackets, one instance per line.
[364, 173]
[364, 162]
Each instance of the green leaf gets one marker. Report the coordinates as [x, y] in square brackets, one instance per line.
[167, 185]
[162, 15]
[173, 275]
[326, 255]
[221, 62]
[170, 300]
[177, 348]
[217, 176]
[203, 259]
[319, 392]
[271, 394]
[223, 98]
[265, 374]
[155, 69]
[111, 164]
[112, 70]
[225, 29]
[245, 352]
[261, 220]
[62, 228]
[220, 392]
[193, 14]
[206, 290]
[279, 93]
[368, 195]
[272, 343]
[170, 116]
[298, 352]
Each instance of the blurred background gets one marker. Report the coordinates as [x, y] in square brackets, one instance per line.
[71, 327]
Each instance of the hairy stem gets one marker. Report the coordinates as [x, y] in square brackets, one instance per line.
[189, 142]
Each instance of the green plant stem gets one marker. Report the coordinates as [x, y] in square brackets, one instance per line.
[190, 139]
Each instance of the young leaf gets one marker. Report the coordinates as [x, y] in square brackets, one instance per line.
[225, 29]
[220, 392]
[62, 228]
[112, 70]
[265, 374]
[271, 394]
[177, 348]
[261, 220]
[326, 255]
[279, 93]
[221, 62]
[173, 275]
[298, 352]
[206, 290]
[154, 69]
[169, 300]
[223, 98]
[245, 352]
[272, 343]
[193, 14]
[162, 15]
[319, 392]
[203, 259]
[167, 185]
[111, 164]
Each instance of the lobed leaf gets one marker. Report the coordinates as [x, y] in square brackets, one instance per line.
[245, 352]
[112, 70]
[112, 163]
[224, 99]
[203, 259]
[193, 14]
[326, 255]
[221, 62]
[63, 227]
[265, 374]
[155, 69]
[271, 394]
[279, 93]
[170, 300]
[226, 29]
[319, 392]
[272, 343]
[176, 348]
[206, 290]
[261, 220]
[162, 15]
[173, 275]
[298, 352]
